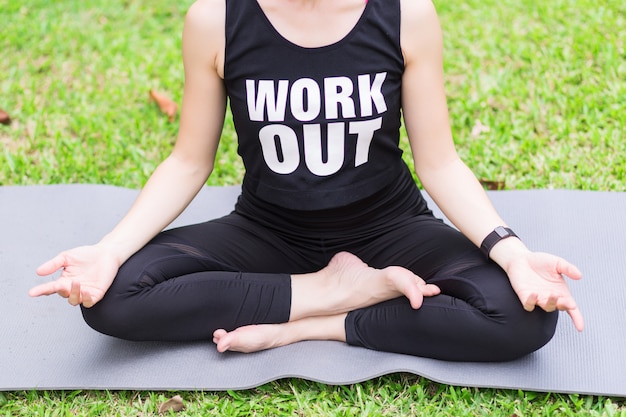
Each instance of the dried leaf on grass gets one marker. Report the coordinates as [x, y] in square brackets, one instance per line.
[166, 104]
[173, 404]
[5, 119]
[492, 185]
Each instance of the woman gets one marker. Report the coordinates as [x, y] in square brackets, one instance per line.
[330, 239]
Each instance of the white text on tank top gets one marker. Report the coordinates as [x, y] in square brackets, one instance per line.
[268, 100]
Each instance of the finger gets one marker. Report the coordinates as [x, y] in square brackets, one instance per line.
[75, 296]
[415, 296]
[88, 300]
[551, 303]
[64, 291]
[429, 290]
[48, 288]
[52, 265]
[566, 268]
[577, 318]
[568, 304]
[530, 302]
[42, 289]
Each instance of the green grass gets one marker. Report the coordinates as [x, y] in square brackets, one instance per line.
[546, 78]
[398, 395]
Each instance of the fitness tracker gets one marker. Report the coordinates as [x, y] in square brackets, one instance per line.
[494, 237]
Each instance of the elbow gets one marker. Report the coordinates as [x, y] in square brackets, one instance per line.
[193, 167]
[429, 170]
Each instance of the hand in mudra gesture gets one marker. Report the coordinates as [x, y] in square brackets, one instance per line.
[538, 279]
[87, 273]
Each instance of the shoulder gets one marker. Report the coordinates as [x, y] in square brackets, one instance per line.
[206, 15]
[417, 11]
[420, 31]
[204, 32]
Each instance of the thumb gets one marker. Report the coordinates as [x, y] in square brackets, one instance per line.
[566, 268]
[415, 296]
[52, 265]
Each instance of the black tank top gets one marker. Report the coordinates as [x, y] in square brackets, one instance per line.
[317, 127]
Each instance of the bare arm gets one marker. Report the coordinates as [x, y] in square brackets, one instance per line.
[181, 175]
[447, 179]
[536, 278]
[89, 271]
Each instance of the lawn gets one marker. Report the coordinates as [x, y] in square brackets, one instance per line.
[536, 94]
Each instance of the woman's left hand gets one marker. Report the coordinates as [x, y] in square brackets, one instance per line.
[538, 279]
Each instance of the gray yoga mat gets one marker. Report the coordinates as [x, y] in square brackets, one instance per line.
[44, 343]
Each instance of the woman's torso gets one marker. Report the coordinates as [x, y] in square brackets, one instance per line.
[318, 126]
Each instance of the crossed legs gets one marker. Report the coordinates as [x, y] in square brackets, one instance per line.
[321, 300]
[176, 289]
[469, 312]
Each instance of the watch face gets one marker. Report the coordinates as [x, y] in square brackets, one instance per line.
[501, 231]
[494, 237]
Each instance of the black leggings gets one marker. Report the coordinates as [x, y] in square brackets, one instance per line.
[235, 271]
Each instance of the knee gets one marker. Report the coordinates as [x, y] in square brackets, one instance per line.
[525, 333]
[109, 318]
[118, 313]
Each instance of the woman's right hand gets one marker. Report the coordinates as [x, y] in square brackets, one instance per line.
[87, 274]
[88, 271]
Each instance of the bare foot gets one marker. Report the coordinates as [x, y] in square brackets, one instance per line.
[256, 337]
[248, 339]
[347, 283]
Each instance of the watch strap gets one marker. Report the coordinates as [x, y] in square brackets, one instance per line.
[494, 237]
